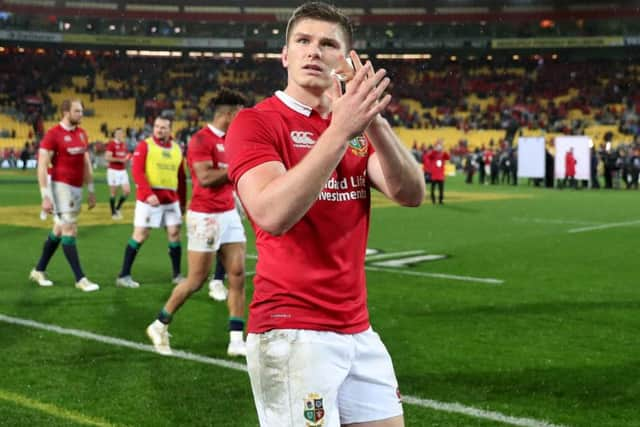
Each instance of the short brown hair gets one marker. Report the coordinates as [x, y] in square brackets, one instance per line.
[321, 12]
[65, 106]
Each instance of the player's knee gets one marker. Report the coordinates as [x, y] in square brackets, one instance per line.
[173, 234]
[194, 281]
[69, 230]
[236, 277]
[140, 235]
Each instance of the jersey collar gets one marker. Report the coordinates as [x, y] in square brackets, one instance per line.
[216, 131]
[67, 128]
[294, 104]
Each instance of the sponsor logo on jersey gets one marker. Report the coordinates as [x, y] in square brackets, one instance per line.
[302, 139]
[314, 410]
[358, 146]
[75, 150]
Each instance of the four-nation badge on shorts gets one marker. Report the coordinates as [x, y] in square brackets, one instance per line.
[313, 410]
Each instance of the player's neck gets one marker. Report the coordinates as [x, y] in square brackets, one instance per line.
[67, 125]
[318, 102]
[220, 124]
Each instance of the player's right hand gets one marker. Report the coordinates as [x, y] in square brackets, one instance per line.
[47, 205]
[153, 200]
[354, 109]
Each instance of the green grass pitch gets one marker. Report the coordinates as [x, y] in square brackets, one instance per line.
[533, 316]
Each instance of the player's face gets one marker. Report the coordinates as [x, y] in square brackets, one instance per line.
[313, 50]
[75, 113]
[162, 129]
[119, 135]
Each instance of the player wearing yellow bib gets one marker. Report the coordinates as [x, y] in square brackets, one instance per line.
[158, 172]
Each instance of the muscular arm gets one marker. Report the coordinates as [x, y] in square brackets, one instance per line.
[276, 199]
[391, 167]
[182, 186]
[44, 158]
[208, 176]
[143, 188]
[88, 179]
[88, 170]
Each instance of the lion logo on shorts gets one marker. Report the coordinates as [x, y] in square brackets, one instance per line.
[313, 410]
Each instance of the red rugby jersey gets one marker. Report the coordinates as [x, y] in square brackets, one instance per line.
[68, 146]
[438, 160]
[312, 276]
[208, 145]
[119, 151]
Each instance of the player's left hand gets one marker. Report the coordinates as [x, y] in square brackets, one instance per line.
[357, 65]
[91, 200]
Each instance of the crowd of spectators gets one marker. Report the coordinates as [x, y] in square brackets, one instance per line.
[533, 94]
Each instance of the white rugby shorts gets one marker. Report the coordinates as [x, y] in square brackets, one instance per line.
[303, 377]
[67, 201]
[117, 177]
[206, 232]
[157, 216]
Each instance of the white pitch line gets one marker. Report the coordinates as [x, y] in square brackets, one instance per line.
[393, 255]
[603, 226]
[553, 221]
[489, 280]
[458, 408]
[179, 354]
[120, 342]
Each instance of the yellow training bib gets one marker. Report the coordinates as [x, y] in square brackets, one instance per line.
[162, 165]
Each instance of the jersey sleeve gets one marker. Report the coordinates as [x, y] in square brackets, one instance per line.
[138, 170]
[111, 148]
[250, 142]
[199, 149]
[48, 141]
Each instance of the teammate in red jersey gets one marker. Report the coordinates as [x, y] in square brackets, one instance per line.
[303, 162]
[438, 159]
[117, 155]
[570, 169]
[158, 171]
[64, 147]
[213, 226]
